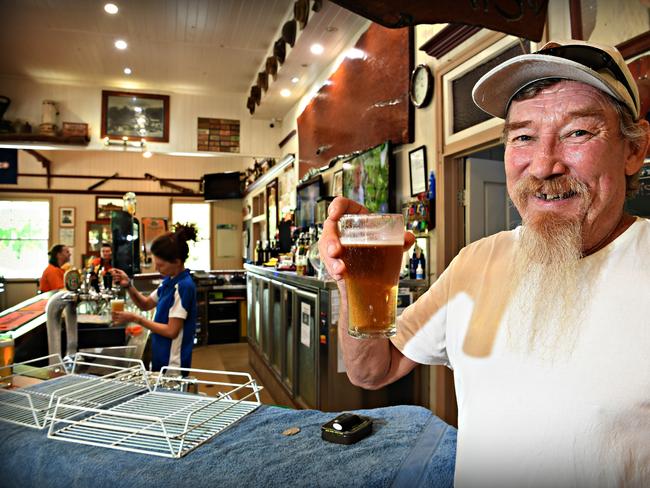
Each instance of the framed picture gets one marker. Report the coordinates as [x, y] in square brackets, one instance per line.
[152, 227]
[272, 213]
[135, 116]
[97, 231]
[337, 183]
[66, 216]
[418, 170]
[66, 236]
[105, 205]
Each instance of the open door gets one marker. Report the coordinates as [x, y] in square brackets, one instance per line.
[488, 208]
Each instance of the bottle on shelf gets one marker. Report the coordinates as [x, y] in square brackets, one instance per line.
[413, 263]
[259, 253]
[419, 272]
[422, 261]
[267, 251]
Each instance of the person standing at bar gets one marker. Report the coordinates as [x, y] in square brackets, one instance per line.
[52, 278]
[174, 323]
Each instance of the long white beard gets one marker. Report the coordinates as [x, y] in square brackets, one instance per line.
[549, 289]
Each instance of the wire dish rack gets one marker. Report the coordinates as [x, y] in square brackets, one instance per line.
[162, 422]
[93, 381]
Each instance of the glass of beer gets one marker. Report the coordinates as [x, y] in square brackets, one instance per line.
[372, 252]
[117, 305]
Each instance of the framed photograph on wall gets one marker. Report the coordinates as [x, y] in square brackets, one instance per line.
[152, 227]
[97, 232]
[337, 183]
[105, 205]
[66, 216]
[418, 170]
[135, 116]
[66, 236]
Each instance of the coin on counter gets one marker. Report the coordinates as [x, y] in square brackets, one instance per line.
[291, 431]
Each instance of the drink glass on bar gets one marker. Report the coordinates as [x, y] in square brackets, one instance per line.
[372, 252]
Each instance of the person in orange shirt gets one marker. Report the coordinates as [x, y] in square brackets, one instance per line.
[105, 258]
[52, 278]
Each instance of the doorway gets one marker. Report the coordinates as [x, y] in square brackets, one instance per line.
[488, 208]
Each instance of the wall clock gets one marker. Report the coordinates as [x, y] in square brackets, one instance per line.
[421, 86]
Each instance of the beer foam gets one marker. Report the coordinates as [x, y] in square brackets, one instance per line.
[371, 241]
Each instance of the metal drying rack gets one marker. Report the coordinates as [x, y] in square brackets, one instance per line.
[161, 422]
[32, 405]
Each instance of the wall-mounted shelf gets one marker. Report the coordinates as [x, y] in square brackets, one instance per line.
[274, 172]
[73, 140]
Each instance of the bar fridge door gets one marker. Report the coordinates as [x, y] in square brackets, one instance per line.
[307, 348]
[275, 327]
[288, 363]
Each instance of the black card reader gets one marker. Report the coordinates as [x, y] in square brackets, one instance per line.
[347, 428]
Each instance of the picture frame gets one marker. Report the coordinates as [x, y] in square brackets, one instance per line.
[97, 231]
[135, 116]
[105, 205]
[152, 227]
[418, 170]
[66, 236]
[337, 183]
[67, 216]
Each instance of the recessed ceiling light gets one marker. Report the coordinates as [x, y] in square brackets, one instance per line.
[316, 49]
[295, 80]
[111, 8]
[147, 154]
[120, 44]
[285, 93]
[127, 71]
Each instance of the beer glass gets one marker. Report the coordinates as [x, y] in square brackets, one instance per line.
[117, 305]
[372, 252]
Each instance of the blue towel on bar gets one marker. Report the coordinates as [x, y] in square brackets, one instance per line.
[408, 447]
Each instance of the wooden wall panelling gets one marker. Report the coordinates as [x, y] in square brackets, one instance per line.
[364, 103]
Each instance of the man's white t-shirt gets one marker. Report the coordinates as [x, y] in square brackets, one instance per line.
[579, 418]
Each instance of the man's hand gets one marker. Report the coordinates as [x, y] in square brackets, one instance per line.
[329, 245]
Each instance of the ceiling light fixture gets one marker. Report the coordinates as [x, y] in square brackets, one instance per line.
[127, 71]
[285, 93]
[317, 49]
[295, 80]
[147, 154]
[120, 44]
[111, 8]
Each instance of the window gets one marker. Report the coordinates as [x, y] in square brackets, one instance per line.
[198, 214]
[24, 237]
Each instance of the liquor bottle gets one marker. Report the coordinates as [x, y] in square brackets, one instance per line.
[300, 256]
[413, 264]
[422, 261]
[259, 253]
[419, 273]
[267, 252]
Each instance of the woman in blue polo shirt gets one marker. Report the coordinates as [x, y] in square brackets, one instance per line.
[174, 323]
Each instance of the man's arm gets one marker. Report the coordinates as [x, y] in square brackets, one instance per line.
[370, 363]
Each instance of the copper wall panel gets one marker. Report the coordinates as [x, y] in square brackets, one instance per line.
[364, 103]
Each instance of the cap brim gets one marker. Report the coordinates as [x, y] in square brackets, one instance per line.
[493, 92]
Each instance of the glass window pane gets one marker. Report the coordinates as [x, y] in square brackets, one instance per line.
[198, 214]
[24, 238]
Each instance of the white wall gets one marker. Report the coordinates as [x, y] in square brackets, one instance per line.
[83, 104]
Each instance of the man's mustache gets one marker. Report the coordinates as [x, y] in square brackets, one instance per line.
[560, 185]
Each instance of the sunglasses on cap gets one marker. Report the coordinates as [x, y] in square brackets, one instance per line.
[592, 58]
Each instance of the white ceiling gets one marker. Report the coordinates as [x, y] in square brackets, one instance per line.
[175, 46]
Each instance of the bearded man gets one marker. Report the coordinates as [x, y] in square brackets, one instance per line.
[544, 326]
